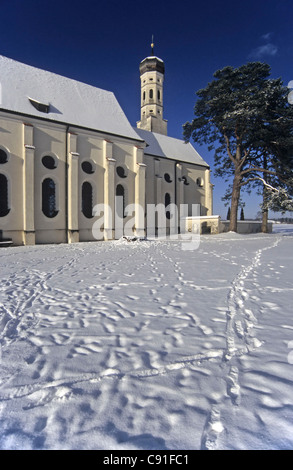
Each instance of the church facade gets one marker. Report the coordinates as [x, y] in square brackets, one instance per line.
[68, 154]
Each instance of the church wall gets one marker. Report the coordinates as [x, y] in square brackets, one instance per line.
[163, 188]
[11, 141]
[196, 188]
[90, 150]
[124, 156]
[161, 176]
[156, 183]
[27, 143]
[150, 178]
[113, 164]
[50, 141]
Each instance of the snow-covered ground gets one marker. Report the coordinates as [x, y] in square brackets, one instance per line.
[143, 345]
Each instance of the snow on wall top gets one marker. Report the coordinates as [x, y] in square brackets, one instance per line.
[168, 147]
[24, 89]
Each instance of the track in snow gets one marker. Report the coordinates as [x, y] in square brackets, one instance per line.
[144, 340]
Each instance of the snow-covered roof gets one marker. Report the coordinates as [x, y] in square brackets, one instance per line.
[163, 146]
[31, 91]
[153, 57]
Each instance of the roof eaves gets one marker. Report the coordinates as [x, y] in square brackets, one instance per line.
[72, 125]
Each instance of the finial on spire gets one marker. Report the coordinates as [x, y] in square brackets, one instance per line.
[152, 44]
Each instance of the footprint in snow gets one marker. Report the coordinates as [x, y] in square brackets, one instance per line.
[214, 428]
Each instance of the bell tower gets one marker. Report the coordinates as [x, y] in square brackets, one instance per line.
[152, 71]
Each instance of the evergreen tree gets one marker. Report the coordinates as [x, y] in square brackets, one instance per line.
[245, 117]
[228, 213]
[242, 214]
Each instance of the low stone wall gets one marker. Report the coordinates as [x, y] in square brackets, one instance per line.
[203, 224]
[245, 226]
[213, 225]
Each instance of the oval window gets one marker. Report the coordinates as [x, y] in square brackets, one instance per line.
[87, 167]
[3, 156]
[167, 178]
[49, 162]
[121, 172]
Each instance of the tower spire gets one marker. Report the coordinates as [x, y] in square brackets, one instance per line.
[152, 44]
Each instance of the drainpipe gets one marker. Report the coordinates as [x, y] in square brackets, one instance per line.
[66, 183]
[175, 196]
[175, 192]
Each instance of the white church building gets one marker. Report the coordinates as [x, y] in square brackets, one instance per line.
[67, 149]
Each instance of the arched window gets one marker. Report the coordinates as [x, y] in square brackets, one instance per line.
[120, 192]
[143, 96]
[167, 204]
[49, 198]
[159, 95]
[151, 94]
[87, 200]
[4, 208]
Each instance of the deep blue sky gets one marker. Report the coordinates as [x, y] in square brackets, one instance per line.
[101, 42]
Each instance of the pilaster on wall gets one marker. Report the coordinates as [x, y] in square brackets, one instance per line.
[208, 193]
[179, 187]
[158, 183]
[28, 185]
[139, 170]
[158, 198]
[72, 188]
[109, 190]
